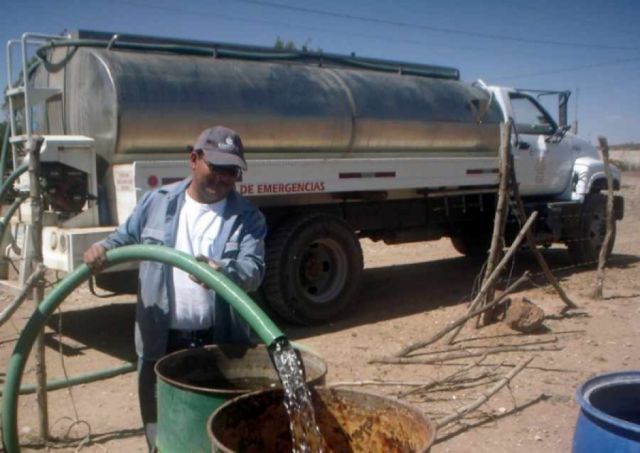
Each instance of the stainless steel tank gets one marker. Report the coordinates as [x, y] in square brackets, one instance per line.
[151, 105]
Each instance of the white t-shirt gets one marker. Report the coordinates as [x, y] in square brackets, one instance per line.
[198, 226]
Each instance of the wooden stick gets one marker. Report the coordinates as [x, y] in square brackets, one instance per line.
[496, 272]
[514, 334]
[435, 382]
[461, 412]
[480, 417]
[481, 347]
[465, 318]
[377, 382]
[512, 365]
[457, 386]
[606, 244]
[500, 218]
[421, 385]
[36, 240]
[461, 355]
[515, 190]
[22, 295]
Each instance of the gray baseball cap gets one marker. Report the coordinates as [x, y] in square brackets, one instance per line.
[221, 146]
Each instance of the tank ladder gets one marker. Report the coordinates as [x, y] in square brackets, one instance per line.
[24, 95]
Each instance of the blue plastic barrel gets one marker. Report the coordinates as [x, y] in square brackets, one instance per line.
[609, 419]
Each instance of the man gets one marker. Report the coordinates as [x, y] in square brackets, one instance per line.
[205, 217]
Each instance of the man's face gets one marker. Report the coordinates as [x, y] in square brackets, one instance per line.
[210, 183]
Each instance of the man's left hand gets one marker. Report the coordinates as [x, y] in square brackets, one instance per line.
[211, 263]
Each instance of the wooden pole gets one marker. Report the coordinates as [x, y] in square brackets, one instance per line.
[5, 315]
[36, 262]
[606, 244]
[500, 218]
[496, 272]
[515, 190]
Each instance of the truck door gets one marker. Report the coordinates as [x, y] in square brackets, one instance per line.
[542, 167]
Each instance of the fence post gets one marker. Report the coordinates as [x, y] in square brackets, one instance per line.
[36, 262]
[500, 218]
[606, 244]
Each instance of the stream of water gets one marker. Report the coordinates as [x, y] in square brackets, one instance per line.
[305, 433]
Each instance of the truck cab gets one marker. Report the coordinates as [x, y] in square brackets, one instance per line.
[550, 160]
[559, 174]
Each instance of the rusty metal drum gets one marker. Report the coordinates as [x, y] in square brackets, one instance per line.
[350, 421]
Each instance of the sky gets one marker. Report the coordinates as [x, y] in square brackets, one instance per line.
[591, 47]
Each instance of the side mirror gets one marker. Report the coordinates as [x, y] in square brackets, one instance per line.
[558, 135]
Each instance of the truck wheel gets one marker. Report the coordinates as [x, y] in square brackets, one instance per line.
[473, 243]
[313, 268]
[585, 246]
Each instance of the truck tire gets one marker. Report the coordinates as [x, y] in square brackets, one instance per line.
[313, 268]
[473, 242]
[584, 247]
[469, 247]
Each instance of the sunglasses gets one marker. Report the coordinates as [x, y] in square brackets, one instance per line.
[229, 171]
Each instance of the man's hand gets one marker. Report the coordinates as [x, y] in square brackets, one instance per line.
[96, 258]
[212, 264]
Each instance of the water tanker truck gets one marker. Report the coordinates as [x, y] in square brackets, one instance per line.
[339, 148]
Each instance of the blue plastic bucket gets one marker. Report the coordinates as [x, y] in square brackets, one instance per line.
[609, 419]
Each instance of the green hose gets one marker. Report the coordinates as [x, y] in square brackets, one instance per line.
[4, 221]
[224, 287]
[7, 185]
[85, 378]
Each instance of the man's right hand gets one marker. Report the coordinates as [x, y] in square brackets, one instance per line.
[96, 258]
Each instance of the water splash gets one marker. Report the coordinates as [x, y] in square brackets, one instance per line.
[305, 433]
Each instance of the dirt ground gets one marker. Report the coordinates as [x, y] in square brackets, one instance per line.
[409, 292]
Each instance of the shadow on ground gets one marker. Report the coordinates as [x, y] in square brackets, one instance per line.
[387, 293]
[106, 328]
[402, 290]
